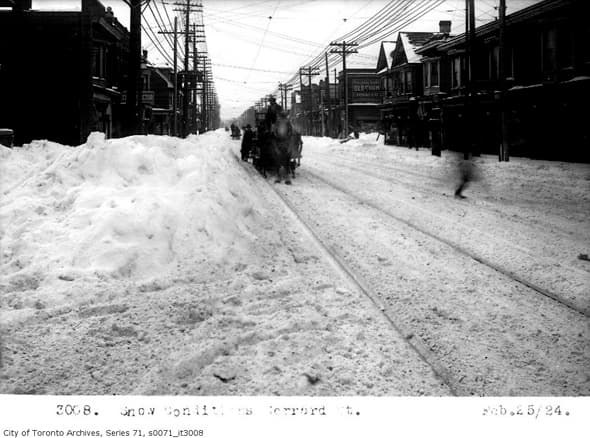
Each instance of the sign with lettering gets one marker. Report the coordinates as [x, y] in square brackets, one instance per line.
[364, 89]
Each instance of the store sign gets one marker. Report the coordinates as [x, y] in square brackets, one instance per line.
[147, 97]
[364, 90]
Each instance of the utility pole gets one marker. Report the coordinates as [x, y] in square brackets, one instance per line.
[85, 85]
[470, 110]
[504, 152]
[301, 95]
[185, 96]
[134, 66]
[282, 97]
[329, 120]
[309, 73]
[187, 7]
[203, 56]
[343, 50]
[194, 81]
[284, 88]
[322, 115]
[174, 78]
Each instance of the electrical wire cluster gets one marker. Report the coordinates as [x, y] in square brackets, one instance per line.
[391, 19]
[158, 28]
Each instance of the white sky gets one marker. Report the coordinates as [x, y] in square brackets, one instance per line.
[240, 34]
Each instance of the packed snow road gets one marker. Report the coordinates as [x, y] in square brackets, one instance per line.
[502, 311]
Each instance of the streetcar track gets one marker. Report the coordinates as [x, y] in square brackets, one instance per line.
[430, 192]
[358, 283]
[466, 252]
[484, 204]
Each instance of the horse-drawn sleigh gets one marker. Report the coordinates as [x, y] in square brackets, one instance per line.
[277, 150]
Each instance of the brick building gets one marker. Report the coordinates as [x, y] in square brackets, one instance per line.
[62, 73]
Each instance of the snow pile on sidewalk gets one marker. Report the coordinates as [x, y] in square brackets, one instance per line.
[522, 177]
[137, 207]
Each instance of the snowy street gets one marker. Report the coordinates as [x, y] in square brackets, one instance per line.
[155, 265]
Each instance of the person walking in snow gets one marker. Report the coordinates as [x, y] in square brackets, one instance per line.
[467, 173]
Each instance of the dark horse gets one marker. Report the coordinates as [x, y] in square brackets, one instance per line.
[280, 150]
[286, 147]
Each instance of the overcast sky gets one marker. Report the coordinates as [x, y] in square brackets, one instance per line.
[254, 44]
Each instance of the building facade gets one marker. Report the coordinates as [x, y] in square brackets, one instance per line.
[543, 95]
[62, 74]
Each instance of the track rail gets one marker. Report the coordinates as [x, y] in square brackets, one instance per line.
[360, 285]
[466, 252]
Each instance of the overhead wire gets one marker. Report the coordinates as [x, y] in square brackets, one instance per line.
[157, 45]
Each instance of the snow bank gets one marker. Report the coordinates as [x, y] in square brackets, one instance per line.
[132, 208]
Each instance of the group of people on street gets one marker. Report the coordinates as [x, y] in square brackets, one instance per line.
[273, 112]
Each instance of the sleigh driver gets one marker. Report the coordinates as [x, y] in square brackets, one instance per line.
[273, 112]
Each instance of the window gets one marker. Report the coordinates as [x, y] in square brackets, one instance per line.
[457, 71]
[145, 82]
[565, 48]
[549, 49]
[494, 63]
[408, 86]
[431, 78]
[434, 78]
[398, 84]
[99, 62]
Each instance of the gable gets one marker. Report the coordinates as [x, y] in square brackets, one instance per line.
[385, 55]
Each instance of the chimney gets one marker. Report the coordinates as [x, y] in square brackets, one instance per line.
[444, 26]
[109, 15]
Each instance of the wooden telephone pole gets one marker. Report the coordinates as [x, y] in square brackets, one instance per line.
[343, 49]
[134, 66]
[504, 152]
[187, 6]
[328, 97]
[470, 109]
[174, 77]
[309, 73]
[284, 89]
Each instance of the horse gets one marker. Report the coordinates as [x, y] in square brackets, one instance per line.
[286, 147]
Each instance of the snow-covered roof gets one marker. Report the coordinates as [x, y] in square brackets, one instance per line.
[385, 55]
[388, 48]
[411, 41]
[365, 58]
